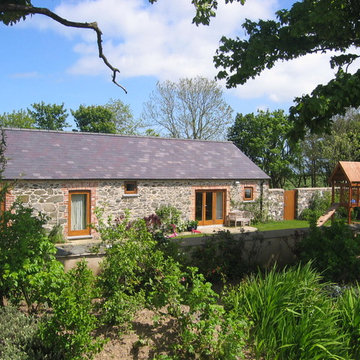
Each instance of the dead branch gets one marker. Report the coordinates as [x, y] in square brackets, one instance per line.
[93, 25]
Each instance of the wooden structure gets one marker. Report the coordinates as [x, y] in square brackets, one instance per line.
[241, 216]
[345, 183]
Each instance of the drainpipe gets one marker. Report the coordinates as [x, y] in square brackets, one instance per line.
[261, 198]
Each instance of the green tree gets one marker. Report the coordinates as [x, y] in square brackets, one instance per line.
[264, 139]
[190, 109]
[343, 142]
[310, 26]
[17, 119]
[49, 116]
[123, 118]
[98, 119]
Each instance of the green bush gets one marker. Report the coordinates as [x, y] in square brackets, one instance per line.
[28, 267]
[201, 328]
[169, 216]
[291, 316]
[68, 332]
[18, 338]
[333, 251]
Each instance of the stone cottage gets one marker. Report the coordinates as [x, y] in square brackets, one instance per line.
[66, 175]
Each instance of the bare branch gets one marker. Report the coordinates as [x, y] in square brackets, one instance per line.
[93, 25]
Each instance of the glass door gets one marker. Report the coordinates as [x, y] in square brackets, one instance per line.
[209, 207]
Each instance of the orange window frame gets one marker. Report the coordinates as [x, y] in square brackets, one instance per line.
[133, 183]
[251, 197]
[87, 230]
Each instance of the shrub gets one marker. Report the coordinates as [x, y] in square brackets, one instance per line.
[333, 251]
[202, 329]
[27, 257]
[18, 335]
[169, 216]
[68, 331]
[291, 315]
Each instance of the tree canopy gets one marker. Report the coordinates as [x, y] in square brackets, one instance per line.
[190, 109]
[310, 26]
[49, 116]
[263, 138]
[93, 118]
[17, 119]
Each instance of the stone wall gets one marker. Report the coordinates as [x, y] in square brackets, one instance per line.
[275, 204]
[305, 196]
[52, 197]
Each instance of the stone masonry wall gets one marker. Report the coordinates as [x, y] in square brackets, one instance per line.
[305, 195]
[51, 197]
[276, 204]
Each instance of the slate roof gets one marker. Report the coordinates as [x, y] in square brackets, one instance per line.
[39, 154]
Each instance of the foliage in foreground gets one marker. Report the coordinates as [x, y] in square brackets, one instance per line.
[334, 251]
[292, 315]
[136, 274]
[18, 335]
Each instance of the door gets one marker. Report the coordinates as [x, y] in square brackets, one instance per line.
[289, 204]
[210, 207]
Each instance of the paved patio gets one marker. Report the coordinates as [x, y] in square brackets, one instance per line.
[211, 229]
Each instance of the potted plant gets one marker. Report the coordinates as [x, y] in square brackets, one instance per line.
[192, 225]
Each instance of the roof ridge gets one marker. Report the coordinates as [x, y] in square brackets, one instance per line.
[113, 135]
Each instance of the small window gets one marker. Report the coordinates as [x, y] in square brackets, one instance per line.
[130, 187]
[79, 213]
[248, 193]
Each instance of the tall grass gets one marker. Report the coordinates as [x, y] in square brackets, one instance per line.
[291, 315]
[349, 311]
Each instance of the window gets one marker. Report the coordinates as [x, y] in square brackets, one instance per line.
[130, 187]
[248, 193]
[79, 213]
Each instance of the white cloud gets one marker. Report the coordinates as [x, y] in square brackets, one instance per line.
[159, 40]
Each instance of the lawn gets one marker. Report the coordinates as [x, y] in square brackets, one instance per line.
[284, 224]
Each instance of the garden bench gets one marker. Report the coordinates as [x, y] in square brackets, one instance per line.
[241, 216]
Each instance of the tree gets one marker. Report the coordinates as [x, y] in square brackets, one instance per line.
[17, 119]
[310, 26]
[263, 138]
[190, 109]
[49, 116]
[13, 11]
[343, 142]
[93, 118]
[123, 118]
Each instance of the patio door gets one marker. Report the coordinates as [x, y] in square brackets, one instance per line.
[210, 207]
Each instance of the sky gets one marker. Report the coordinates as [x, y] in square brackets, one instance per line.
[45, 61]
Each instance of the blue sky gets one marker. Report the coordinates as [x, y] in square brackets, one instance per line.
[44, 61]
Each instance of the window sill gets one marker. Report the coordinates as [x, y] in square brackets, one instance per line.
[79, 237]
[130, 196]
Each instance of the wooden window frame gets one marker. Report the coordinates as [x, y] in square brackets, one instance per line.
[130, 192]
[251, 188]
[86, 231]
